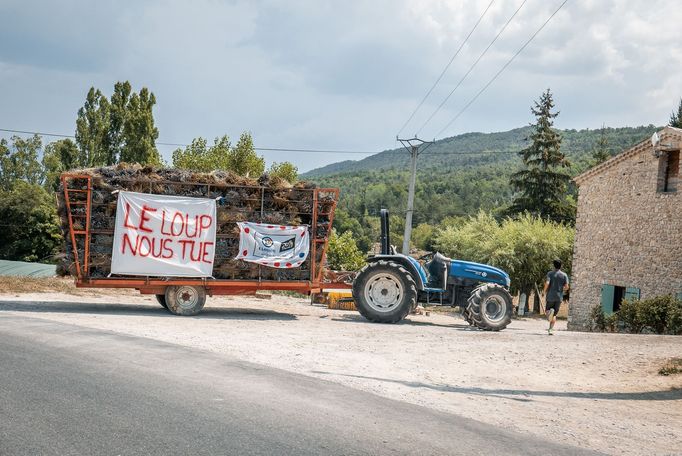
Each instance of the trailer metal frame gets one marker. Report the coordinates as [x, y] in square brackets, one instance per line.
[315, 283]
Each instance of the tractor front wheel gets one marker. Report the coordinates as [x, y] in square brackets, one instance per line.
[384, 292]
[490, 307]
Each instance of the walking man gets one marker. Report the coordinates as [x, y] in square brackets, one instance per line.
[555, 286]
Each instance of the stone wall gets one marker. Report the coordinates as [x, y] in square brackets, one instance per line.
[628, 233]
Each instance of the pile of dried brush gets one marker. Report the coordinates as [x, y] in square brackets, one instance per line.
[267, 200]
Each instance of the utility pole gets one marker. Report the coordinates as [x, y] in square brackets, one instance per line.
[412, 145]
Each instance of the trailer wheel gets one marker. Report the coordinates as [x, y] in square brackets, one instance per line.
[490, 307]
[185, 300]
[384, 292]
[162, 300]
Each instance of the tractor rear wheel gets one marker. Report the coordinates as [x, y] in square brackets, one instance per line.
[185, 300]
[384, 292]
[490, 307]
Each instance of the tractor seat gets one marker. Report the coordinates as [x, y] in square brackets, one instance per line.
[438, 270]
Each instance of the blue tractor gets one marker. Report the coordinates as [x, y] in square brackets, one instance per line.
[391, 285]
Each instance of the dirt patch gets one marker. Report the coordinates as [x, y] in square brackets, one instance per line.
[598, 391]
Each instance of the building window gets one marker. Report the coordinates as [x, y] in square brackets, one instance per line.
[669, 168]
[612, 296]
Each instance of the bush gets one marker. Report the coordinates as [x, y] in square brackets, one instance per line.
[343, 253]
[597, 318]
[661, 315]
[630, 315]
[30, 230]
[654, 313]
[523, 247]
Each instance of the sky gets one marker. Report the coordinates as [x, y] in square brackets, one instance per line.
[339, 75]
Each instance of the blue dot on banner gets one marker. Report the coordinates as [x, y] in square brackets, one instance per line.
[301, 255]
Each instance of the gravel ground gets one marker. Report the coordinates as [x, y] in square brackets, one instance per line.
[598, 391]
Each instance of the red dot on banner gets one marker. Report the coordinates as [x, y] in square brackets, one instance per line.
[288, 265]
[282, 227]
[245, 252]
[303, 234]
[276, 265]
[246, 230]
[270, 226]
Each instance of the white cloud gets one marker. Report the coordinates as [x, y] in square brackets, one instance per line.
[338, 75]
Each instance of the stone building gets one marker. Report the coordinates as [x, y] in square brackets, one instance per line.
[628, 241]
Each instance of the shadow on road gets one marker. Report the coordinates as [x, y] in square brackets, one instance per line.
[223, 313]
[668, 395]
[458, 324]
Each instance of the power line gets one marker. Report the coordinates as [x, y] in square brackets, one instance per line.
[485, 51]
[264, 149]
[445, 69]
[501, 69]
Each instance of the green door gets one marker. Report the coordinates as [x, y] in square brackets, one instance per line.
[631, 294]
[607, 295]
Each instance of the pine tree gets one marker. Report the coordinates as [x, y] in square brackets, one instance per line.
[543, 184]
[601, 151]
[676, 117]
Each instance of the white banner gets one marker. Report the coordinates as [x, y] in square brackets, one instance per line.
[276, 246]
[158, 235]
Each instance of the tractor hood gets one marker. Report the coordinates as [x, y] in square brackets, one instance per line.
[480, 272]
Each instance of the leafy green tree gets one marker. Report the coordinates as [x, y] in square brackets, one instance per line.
[199, 157]
[92, 130]
[285, 170]
[59, 156]
[30, 227]
[343, 253]
[523, 247]
[422, 236]
[676, 117]
[543, 185]
[117, 129]
[244, 160]
[19, 161]
[601, 151]
[139, 132]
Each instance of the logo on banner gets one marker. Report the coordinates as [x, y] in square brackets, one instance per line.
[275, 246]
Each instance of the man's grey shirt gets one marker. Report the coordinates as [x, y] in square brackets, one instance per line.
[557, 279]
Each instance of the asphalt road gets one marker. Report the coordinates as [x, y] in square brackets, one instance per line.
[68, 390]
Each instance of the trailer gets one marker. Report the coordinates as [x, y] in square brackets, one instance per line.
[88, 206]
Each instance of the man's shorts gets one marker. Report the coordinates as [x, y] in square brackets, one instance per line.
[553, 305]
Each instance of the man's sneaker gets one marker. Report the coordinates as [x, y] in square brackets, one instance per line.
[550, 331]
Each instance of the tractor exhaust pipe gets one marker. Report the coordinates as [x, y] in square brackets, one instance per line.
[385, 235]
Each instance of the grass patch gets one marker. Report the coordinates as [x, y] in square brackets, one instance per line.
[671, 367]
[12, 284]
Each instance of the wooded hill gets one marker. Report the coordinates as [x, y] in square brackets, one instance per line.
[456, 176]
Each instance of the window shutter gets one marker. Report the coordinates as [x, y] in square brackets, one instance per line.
[631, 294]
[607, 295]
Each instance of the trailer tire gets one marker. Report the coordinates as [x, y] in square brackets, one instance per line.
[384, 292]
[490, 307]
[185, 300]
[162, 300]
